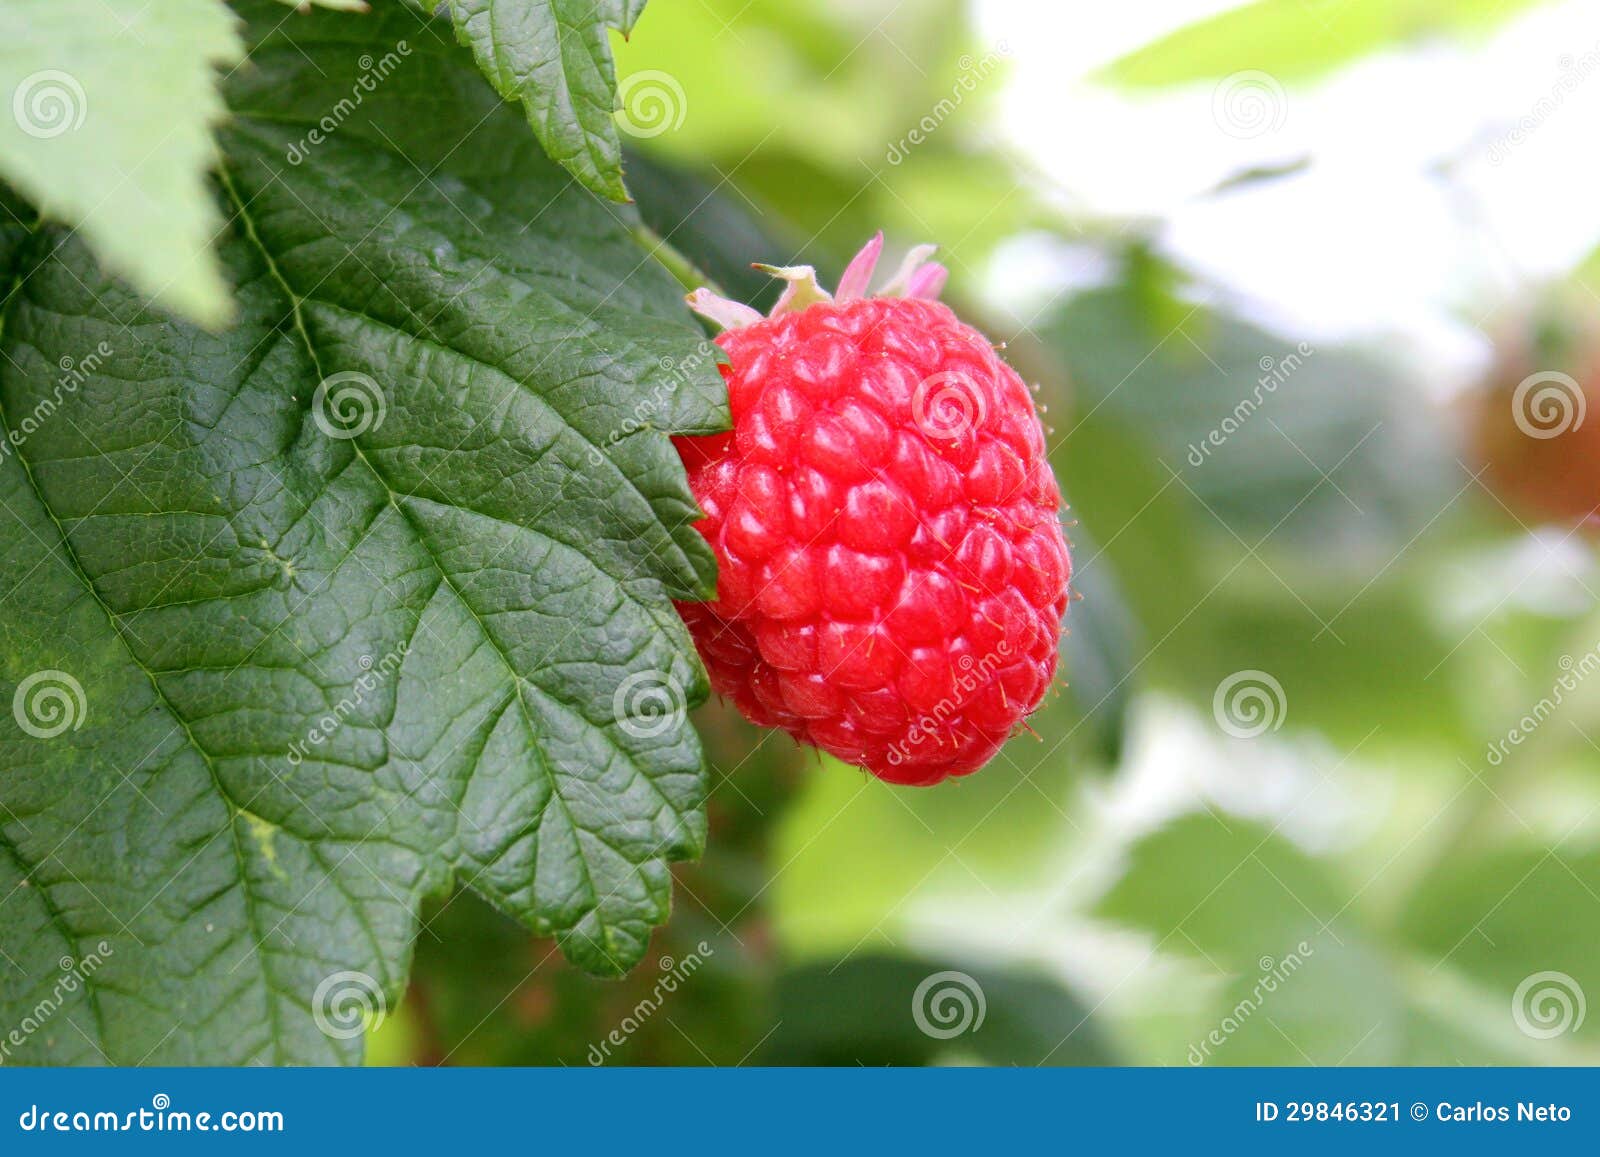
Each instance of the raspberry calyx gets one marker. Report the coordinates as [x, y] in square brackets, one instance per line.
[892, 572]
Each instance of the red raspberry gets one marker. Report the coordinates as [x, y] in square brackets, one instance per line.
[892, 572]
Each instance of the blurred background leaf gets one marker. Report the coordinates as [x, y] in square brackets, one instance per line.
[860, 1012]
[1302, 38]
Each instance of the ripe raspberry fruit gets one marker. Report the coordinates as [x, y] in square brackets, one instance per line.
[892, 572]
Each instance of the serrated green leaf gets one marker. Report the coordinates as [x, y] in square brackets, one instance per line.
[110, 105]
[322, 652]
[1299, 39]
[554, 58]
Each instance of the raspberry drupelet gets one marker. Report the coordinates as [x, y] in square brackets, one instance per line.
[892, 573]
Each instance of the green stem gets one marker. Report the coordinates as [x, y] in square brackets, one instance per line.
[688, 274]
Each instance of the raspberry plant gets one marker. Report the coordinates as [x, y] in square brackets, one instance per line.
[355, 436]
[346, 535]
[339, 598]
